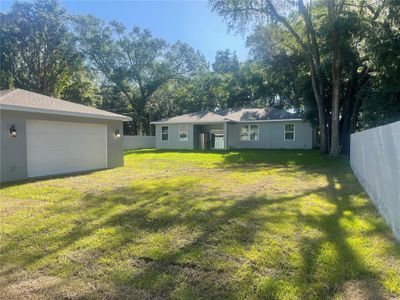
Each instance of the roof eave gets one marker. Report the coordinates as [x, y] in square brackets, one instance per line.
[188, 122]
[272, 120]
[63, 113]
[227, 121]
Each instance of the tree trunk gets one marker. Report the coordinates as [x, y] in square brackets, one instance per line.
[354, 115]
[348, 107]
[323, 145]
[313, 57]
[336, 80]
[328, 132]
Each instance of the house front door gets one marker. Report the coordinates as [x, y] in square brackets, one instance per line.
[217, 140]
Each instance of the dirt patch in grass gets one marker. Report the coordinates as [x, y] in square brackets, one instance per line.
[35, 288]
[364, 290]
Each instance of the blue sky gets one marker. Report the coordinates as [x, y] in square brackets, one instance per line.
[192, 22]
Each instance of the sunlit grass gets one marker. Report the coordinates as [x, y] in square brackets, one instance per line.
[278, 224]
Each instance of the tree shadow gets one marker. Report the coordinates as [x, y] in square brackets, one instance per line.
[177, 238]
[4, 185]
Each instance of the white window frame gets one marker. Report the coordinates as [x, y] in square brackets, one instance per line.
[164, 133]
[186, 129]
[289, 131]
[249, 133]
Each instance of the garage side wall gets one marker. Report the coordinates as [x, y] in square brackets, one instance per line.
[13, 149]
[115, 145]
[13, 164]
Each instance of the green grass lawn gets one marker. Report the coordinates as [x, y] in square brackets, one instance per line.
[185, 225]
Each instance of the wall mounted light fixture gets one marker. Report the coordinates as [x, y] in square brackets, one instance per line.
[117, 133]
[13, 131]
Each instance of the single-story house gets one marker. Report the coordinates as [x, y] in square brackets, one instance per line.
[42, 136]
[235, 129]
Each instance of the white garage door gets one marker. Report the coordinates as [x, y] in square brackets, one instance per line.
[64, 147]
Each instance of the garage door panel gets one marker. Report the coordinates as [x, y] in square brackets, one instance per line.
[63, 147]
[65, 143]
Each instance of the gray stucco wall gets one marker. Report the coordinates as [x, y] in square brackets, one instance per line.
[375, 160]
[272, 136]
[13, 164]
[173, 138]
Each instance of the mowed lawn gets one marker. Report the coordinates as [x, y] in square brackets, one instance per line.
[276, 224]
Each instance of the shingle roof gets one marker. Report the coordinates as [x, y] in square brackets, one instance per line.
[232, 115]
[21, 100]
[198, 117]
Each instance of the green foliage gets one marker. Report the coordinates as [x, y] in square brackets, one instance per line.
[135, 62]
[81, 88]
[209, 91]
[37, 49]
[381, 103]
[225, 62]
[131, 72]
[288, 35]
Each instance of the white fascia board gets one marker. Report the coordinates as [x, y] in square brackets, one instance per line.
[228, 121]
[189, 123]
[275, 120]
[62, 113]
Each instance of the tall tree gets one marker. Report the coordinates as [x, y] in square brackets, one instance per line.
[241, 12]
[211, 91]
[337, 41]
[37, 50]
[137, 63]
[336, 76]
[225, 62]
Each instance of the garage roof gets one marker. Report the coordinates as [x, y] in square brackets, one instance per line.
[234, 115]
[21, 100]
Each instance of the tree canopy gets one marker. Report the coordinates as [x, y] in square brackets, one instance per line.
[329, 48]
[336, 62]
[135, 62]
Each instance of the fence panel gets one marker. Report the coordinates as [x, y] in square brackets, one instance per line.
[139, 142]
[375, 160]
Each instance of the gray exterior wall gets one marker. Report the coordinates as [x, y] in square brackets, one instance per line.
[13, 163]
[271, 136]
[375, 160]
[173, 138]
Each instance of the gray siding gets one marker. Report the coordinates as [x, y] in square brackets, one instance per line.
[272, 136]
[13, 164]
[173, 138]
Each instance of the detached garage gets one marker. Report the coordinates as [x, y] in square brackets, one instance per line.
[43, 136]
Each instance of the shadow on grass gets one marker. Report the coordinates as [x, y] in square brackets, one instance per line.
[4, 185]
[178, 238]
[258, 157]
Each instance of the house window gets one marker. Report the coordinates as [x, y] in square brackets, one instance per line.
[183, 133]
[289, 132]
[164, 133]
[249, 133]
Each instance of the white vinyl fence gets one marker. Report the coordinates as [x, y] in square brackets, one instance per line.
[139, 142]
[375, 159]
